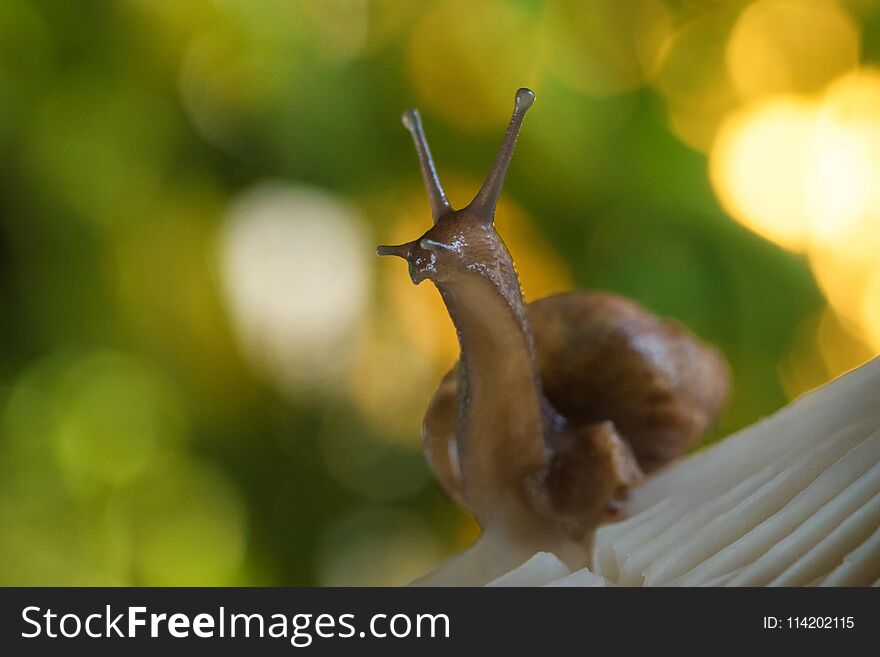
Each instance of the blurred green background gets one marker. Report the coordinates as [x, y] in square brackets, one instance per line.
[207, 377]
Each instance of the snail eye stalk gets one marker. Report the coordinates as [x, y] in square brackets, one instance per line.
[440, 206]
[485, 200]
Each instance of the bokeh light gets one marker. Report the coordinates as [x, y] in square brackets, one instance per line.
[791, 46]
[295, 270]
[804, 172]
[763, 169]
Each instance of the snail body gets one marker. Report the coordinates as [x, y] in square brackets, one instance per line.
[558, 407]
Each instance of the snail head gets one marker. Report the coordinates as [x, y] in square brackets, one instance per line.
[461, 239]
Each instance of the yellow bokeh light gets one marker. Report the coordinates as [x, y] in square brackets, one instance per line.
[791, 46]
[845, 172]
[717, 59]
[846, 224]
[847, 215]
[761, 169]
[804, 172]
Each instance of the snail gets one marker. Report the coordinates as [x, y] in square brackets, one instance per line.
[556, 408]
